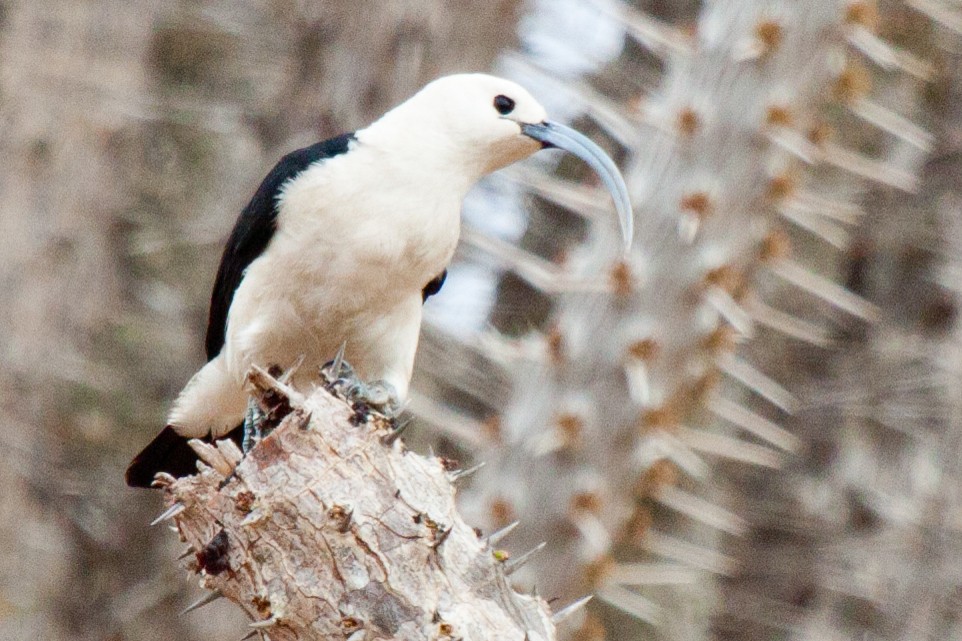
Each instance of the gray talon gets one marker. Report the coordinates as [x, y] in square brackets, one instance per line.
[252, 426]
[342, 379]
[379, 395]
[339, 375]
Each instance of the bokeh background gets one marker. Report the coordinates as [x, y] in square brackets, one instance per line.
[133, 131]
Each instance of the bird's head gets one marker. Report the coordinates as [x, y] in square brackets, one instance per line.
[474, 124]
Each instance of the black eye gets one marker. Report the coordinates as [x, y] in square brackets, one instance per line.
[504, 105]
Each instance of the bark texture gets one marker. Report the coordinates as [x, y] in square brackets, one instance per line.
[331, 528]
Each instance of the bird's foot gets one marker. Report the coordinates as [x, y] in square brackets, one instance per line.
[341, 379]
[379, 395]
[338, 375]
[253, 422]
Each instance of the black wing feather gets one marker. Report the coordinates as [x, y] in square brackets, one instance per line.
[434, 286]
[169, 452]
[254, 230]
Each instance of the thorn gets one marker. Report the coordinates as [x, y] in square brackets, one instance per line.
[538, 272]
[699, 509]
[339, 360]
[631, 603]
[656, 573]
[639, 382]
[795, 143]
[761, 384]
[869, 168]
[566, 612]
[169, 513]
[613, 117]
[254, 516]
[789, 325]
[462, 474]
[892, 123]
[938, 12]
[666, 445]
[286, 376]
[186, 554]
[660, 38]
[731, 448]
[266, 623]
[230, 451]
[688, 226]
[575, 197]
[516, 564]
[201, 602]
[825, 289]
[305, 420]
[691, 554]
[888, 56]
[751, 422]
[495, 537]
[595, 539]
[723, 303]
[806, 218]
[443, 537]
[212, 456]
[838, 210]
[260, 383]
[389, 439]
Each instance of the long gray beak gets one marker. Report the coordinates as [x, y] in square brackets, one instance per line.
[552, 134]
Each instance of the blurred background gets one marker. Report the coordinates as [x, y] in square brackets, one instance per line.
[749, 428]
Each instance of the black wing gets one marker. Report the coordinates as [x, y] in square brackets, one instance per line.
[253, 232]
[434, 286]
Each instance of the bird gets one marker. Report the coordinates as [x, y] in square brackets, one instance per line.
[342, 243]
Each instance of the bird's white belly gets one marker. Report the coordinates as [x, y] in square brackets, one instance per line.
[314, 297]
[352, 252]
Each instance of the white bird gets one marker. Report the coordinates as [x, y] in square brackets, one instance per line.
[343, 241]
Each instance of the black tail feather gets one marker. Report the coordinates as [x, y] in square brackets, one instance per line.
[168, 452]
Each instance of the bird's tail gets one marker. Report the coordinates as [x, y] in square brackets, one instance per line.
[170, 453]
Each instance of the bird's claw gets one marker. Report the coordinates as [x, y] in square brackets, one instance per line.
[253, 421]
[378, 395]
[340, 378]
[338, 375]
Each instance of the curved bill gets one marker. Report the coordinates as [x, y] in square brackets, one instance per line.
[552, 134]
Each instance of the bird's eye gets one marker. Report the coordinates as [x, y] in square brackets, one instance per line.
[504, 105]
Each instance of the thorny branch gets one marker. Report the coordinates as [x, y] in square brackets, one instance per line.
[329, 529]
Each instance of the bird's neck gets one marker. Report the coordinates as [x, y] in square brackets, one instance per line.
[425, 159]
[374, 211]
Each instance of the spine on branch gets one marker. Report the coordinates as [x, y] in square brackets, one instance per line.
[331, 529]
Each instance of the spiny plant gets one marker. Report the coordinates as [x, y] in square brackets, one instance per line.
[857, 535]
[627, 416]
[330, 527]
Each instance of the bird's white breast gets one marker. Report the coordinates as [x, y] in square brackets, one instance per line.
[358, 237]
[373, 226]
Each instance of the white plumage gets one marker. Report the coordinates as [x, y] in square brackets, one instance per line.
[354, 237]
